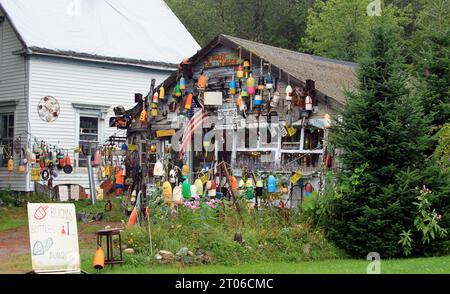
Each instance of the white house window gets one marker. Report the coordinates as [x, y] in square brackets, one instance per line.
[89, 127]
[6, 136]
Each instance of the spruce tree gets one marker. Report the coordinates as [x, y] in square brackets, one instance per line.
[382, 132]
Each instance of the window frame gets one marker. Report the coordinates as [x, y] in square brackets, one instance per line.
[8, 111]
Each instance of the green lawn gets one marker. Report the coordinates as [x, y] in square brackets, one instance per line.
[433, 265]
[11, 218]
[16, 217]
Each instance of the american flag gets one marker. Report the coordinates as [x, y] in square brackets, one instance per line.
[197, 115]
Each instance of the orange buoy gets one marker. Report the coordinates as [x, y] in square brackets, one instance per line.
[188, 103]
[10, 165]
[22, 166]
[99, 259]
[133, 217]
[201, 83]
[233, 183]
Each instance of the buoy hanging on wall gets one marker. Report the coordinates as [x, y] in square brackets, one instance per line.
[10, 165]
[308, 103]
[188, 103]
[251, 85]
[269, 81]
[240, 72]
[182, 84]
[233, 87]
[177, 90]
[201, 83]
[327, 121]
[288, 93]
[162, 92]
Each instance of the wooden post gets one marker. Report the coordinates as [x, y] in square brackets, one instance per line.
[256, 197]
[146, 170]
[235, 200]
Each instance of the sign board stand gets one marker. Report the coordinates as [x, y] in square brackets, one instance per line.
[53, 238]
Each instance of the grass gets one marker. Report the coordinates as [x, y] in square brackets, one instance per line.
[432, 265]
[12, 218]
[16, 217]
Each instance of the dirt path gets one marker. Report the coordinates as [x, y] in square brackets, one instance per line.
[14, 242]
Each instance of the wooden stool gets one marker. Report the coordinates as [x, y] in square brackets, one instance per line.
[109, 233]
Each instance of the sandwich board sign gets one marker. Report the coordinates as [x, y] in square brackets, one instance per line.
[53, 238]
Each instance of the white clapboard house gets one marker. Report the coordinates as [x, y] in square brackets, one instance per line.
[90, 56]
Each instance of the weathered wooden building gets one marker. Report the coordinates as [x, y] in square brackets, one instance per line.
[279, 127]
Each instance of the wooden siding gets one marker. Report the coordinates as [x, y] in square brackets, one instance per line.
[13, 87]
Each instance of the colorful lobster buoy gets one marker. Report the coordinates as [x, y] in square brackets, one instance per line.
[186, 190]
[172, 176]
[155, 98]
[67, 165]
[271, 184]
[232, 87]
[188, 103]
[261, 85]
[233, 184]
[308, 189]
[10, 165]
[250, 189]
[244, 93]
[269, 81]
[199, 184]
[275, 100]
[133, 217]
[158, 169]
[185, 170]
[211, 186]
[162, 92]
[288, 93]
[167, 192]
[308, 103]
[154, 111]
[327, 121]
[144, 116]
[177, 91]
[182, 83]
[177, 195]
[240, 103]
[240, 72]
[194, 191]
[201, 83]
[258, 100]
[22, 166]
[250, 85]
[259, 188]
[99, 259]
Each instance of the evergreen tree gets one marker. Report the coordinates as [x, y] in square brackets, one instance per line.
[382, 132]
[430, 50]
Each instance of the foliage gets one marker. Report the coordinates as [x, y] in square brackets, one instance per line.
[383, 134]
[340, 29]
[426, 221]
[268, 235]
[406, 241]
[442, 151]
[430, 52]
[275, 22]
